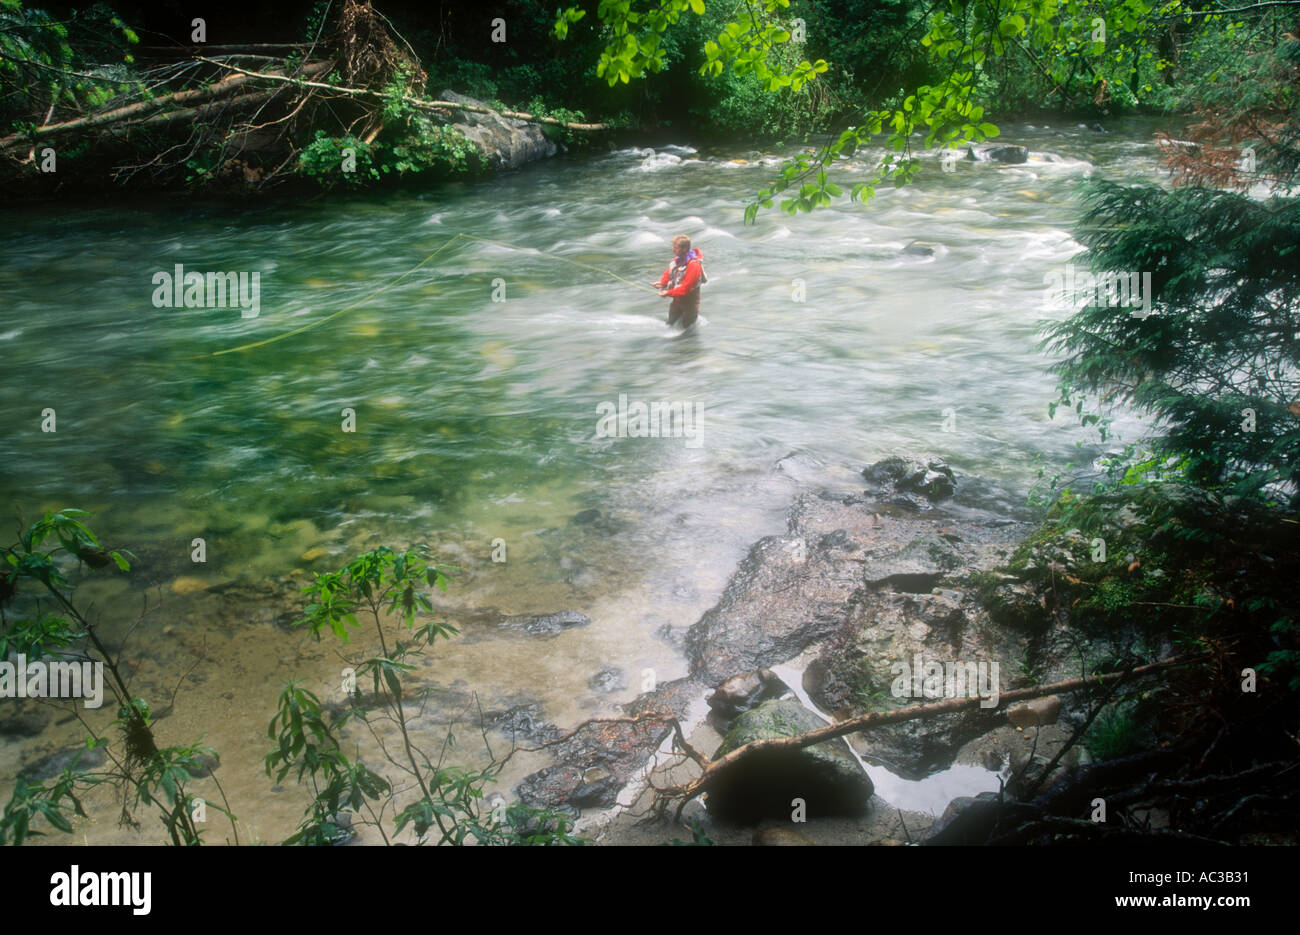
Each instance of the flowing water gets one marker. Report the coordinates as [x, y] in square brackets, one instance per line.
[476, 382]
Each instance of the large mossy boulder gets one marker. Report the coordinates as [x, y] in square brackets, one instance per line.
[503, 142]
[826, 776]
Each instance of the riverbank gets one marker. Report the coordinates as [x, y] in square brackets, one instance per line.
[856, 584]
[868, 601]
[892, 584]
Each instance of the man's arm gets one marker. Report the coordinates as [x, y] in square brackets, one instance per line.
[663, 280]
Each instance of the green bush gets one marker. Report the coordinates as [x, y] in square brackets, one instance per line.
[1114, 733]
[421, 148]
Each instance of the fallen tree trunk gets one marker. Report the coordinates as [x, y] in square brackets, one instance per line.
[208, 109]
[228, 47]
[107, 119]
[416, 102]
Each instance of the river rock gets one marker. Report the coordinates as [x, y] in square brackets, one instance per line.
[910, 481]
[202, 765]
[504, 143]
[857, 671]
[598, 760]
[779, 602]
[741, 692]
[551, 787]
[1003, 152]
[775, 606]
[52, 765]
[920, 248]
[25, 723]
[917, 567]
[824, 686]
[567, 788]
[608, 679]
[967, 820]
[826, 776]
[545, 624]
[522, 722]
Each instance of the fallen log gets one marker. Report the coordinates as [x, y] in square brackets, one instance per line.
[182, 99]
[201, 111]
[419, 103]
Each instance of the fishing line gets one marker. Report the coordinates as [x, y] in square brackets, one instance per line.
[384, 288]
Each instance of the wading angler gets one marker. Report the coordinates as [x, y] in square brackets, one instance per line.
[179, 289]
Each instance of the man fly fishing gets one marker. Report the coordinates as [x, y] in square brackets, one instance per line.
[681, 282]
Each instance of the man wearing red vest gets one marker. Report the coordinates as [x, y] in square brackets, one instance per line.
[681, 282]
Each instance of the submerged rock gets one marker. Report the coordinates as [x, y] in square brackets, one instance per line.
[202, 765]
[522, 722]
[53, 764]
[608, 679]
[1005, 153]
[826, 776]
[24, 724]
[545, 624]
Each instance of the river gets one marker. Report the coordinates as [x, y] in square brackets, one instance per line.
[475, 381]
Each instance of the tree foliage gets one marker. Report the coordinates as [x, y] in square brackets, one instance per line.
[1217, 360]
